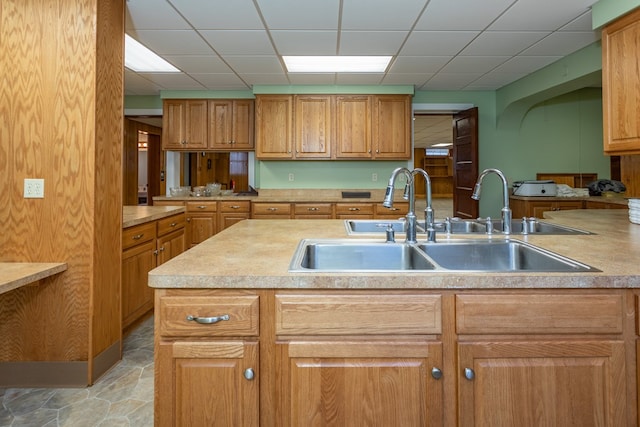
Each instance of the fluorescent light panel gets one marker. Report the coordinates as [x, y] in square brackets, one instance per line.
[140, 59]
[336, 64]
[443, 144]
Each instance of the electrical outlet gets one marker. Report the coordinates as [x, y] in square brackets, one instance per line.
[33, 188]
[374, 177]
[291, 177]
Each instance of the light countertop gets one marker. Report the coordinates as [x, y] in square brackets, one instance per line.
[135, 215]
[17, 274]
[257, 253]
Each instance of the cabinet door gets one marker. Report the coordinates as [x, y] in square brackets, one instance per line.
[184, 124]
[274, 126]
[391, 126]
[353, 127]
[173, 124]
[243, 123]
[196, 124]
[227, 219]
[621, 85]
[313, 131]
[220, 123]
[200, 227]
[207, 384]
[137, 297]
[338, 383]
[557, 383]
[170, 246]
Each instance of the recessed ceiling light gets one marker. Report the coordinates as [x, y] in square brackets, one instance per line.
[336, 64]
[443, 144]
[139, 58]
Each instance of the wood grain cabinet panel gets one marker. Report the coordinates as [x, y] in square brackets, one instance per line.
[621, 85]
[231, 124]
[266, 210]
[202, 220]
[353, 127]
[274, 126]
[391, 125]
[354, 210]
[313, 210]
[231, 212]
[313, 126]
[184, 124]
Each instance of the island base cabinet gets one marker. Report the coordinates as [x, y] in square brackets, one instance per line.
[207, 384]
[530, 384]
[337, 383]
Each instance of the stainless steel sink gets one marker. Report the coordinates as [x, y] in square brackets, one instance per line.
[348, 255]
[459, 226]
[499, 256]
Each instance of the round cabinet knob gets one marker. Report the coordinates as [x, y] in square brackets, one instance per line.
[436, 373]
[249, 374]
[469, 374]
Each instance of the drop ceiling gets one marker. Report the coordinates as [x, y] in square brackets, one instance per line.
[435, 44]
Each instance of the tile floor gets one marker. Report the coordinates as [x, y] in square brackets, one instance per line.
[123, 397]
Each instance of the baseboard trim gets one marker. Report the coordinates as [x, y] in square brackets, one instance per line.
[57, 374]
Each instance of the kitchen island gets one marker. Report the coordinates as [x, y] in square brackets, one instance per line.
[450, 348]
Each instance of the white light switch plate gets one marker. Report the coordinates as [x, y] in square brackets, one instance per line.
[33, 188]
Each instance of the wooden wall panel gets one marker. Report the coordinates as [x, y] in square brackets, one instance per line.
[61, 121]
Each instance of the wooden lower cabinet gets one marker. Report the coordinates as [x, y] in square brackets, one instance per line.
[231, 212]
[542, 383]
[521, 358]
[354, 210]
[202, 221]
[338, 383]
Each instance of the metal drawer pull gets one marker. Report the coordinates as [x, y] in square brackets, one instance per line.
[249, 374]
[202, 207]
[354, 209]
[207, 320]
[272, 209]
[173, 224]
[436, 373]
[469, 374]
[313, 209]
[235, 207]
[138, 236]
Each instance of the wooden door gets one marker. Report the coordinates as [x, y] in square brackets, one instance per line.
[353, 127]
[274, 126]
[211, 384]
[465, 163]
[352, 383]
[552, 383]
[313, 126]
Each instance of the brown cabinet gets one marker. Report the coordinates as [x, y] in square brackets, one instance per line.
[313, 211]
[391, 127]
[184, 124]
[536, 208]
[146, 246]
[207, 350]
[201, 221]
[274, 126]
[621, 85]
[346, 210]
[313, 126]
[231, 123]
[231, 212]
[353, 127]
[268, 210]
[440, 170]
[524, 377]
[398, 210]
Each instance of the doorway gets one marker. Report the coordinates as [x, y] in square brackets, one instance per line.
[142, 163]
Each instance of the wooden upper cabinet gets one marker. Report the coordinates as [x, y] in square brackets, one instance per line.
[391, 126]
[353, 127]
[184, 123]
[313, 130]
[231, 124]
[621, 85]
[274, 126]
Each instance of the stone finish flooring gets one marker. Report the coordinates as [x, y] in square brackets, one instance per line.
[123, 397]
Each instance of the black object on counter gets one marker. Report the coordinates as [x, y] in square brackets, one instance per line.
[356, 194]
[252, 192]
[598, 187]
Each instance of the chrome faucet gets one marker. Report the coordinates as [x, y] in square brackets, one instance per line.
[429, 215]
[506, 212]
[409, 194]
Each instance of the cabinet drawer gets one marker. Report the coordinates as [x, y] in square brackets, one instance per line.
[235, 206]
[202, 206]
[398, 208]
[312, 209]
[172, 223]
[354, 208]
[362, 314]
[242, 312]
[539, 314]
[271, 209]
[133, 236]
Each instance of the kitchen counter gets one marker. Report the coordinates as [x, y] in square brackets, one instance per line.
[135, 215]
[17, 274]
[617, 199]
[256, 254]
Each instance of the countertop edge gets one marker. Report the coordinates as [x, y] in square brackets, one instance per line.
[18, 274]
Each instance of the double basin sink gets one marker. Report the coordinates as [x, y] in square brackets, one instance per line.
[464, 255]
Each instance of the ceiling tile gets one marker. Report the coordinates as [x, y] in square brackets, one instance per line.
[537, 15]
[359, 79]
[198, 63]
[561, 43]
[583, 22]
[301, 14]
[221, 81]
[503, 42]
[219, 15]
[416, 79]
[479, 64]
[174, 81]
[446, 15]
[312, 79]
[437, 43]
[290, 42]
[380, 14]
[371, 42]
[451, 80]
[173, 42]
[249, 42]
[418, 64]
[265, 79]
[164, 16]
[524, 64]
[251, 64]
